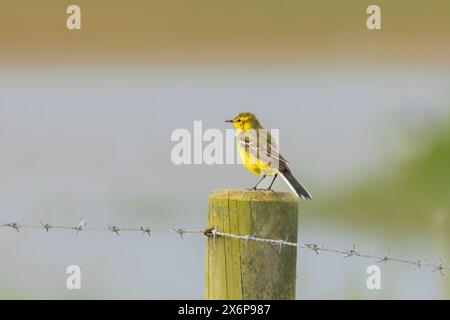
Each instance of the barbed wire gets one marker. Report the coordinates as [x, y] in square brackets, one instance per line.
[214, 233]
[352, 252]
[82, 226]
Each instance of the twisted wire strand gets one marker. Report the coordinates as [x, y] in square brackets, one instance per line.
[213, 233]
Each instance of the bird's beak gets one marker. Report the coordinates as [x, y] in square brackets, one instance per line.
[229, 121]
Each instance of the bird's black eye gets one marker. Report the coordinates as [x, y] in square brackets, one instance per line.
[238, 120]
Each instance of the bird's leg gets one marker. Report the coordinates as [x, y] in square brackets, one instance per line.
[256, 186]
[271, 184]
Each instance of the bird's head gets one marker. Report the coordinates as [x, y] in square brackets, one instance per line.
[245, 121]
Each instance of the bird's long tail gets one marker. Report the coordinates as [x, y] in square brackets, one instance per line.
[296, 187]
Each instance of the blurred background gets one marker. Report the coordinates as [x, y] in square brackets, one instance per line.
[86, 118]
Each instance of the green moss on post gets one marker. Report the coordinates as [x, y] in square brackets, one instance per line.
[256, 270]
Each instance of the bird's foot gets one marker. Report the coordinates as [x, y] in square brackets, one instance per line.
[255, 189]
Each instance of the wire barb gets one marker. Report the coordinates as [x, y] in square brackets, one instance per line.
[180, 231]
[313, 247]
[420, 263]
[80, 226]
[352, 252]
[114, 229]
[45, 226]
[13, 225]
[385, 259]
[145, 230]
[440, 267]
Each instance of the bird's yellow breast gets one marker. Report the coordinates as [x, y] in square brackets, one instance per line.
[252, 163]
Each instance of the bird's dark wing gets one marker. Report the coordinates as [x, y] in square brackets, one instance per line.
[261, 145]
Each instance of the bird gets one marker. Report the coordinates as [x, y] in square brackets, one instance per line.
[260, 155]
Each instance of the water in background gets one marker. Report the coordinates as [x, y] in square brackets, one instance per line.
[95, 144]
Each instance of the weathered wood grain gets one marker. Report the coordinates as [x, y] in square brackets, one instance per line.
[236, 270]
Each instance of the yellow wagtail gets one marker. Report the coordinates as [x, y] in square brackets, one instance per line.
[259, 153]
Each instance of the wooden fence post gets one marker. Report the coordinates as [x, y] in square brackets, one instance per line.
[253, 270]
